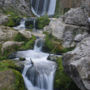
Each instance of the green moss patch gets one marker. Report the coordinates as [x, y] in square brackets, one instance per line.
[62, 81]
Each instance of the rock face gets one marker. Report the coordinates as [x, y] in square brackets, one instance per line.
[3, 18]
[77, 64]
[64, 5]
[76, 16]
[73, 23]
[16, 6]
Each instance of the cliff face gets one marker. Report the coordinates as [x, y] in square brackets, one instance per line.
[20, 7]
[65, 5]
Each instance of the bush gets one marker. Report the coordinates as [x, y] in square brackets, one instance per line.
[19, 37]
[62, 81]
[29, 24]
[42, 22]
[13, 21]
[29, 44]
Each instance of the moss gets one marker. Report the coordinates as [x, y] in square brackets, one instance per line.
[13, 21]
[42, 22]
[62, 81]
[53, 45]
[19, 37]
[19, 82]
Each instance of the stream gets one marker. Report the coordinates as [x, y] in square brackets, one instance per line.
[38, 72]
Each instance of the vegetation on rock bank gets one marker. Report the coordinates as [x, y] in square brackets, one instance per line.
[53, 45]
[62, 81]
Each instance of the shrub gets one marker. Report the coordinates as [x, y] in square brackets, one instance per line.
[19, 37]
[13, 21]
[42, 22]
[29, 24]
[29, 44]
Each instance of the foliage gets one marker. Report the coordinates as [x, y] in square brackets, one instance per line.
[8, 64]
[19, 37]
[29, 24]
[62, 81]
[42, 22]
[13, 21]
[29, 44]
[53, 45]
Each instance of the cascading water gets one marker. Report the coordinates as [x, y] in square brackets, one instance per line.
[38, 72]
[21, 26]
[42, 7]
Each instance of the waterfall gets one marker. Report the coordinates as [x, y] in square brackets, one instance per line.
[21, 26]
[38, 72]
[42, 7]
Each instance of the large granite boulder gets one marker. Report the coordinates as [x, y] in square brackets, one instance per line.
[76, 16]
[77, 64]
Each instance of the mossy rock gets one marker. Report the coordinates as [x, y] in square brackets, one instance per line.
[10, 72]
[62, 81]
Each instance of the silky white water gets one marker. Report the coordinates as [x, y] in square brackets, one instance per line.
[21, 26]
[38, 72]
[42, 7]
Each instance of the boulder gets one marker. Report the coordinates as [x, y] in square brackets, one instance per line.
[10, 44]
[77, 64]
[26, 34]
[65, 32]
[76, 16]
[7, 33]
